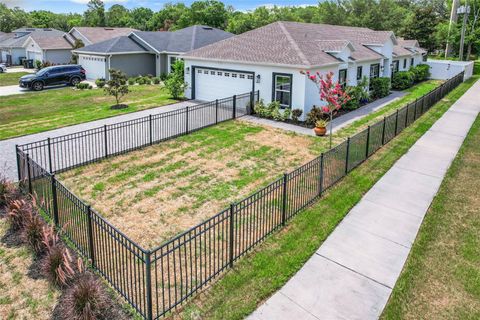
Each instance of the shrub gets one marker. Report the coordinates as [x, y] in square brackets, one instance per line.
[357, 95]
[6, 190]
[296, 114]
[175, 82]
[144, 80]
[156, 80]
[314, 115]
[420, 72]
[117, 85]
[163, 76]
[57, 265]
[100, 83]
[38, 64]
[402, 80]
[18, 213]
[32, 233]
[131, 81]
[287, 114]
[261, 110]
[380, 87]
[86, 299]
[83, 86]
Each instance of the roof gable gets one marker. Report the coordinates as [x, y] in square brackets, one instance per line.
[99, 34]
[123, 44]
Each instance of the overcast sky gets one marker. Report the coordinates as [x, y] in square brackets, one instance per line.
[80, 5]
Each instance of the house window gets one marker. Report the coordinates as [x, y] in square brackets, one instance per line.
[205, 71]
[199, 71]
[395, 66]
[342, 77]
[250, 77]
[412, 61]
[172, 60]
[234, 75]
[375, 70]
[219, 73]
[212, 73]
[282, 89]
[404, 63]
[359, 73]
[242, 76]
[227, 74]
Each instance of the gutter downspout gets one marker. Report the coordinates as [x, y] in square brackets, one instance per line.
[107, 73]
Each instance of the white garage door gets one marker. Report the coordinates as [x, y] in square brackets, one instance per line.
[218, 84]
[94, 66]
[34, 55]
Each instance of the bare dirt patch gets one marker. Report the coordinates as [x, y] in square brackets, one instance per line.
[155, 193]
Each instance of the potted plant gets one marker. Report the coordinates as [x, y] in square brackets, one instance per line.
[320, 127]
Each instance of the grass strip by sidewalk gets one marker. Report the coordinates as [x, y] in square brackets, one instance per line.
[258, 275]
[441, 278]
[10, 79]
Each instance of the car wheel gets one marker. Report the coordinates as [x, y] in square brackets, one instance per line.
[37, 86]
[74, 81]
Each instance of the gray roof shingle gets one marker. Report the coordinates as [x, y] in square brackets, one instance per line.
[292, 43]
[99, 34]
[18, 41]
[115, 45]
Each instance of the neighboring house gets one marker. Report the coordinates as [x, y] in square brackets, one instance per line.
[270, 59]
[13, 45]
[91, 35]
[53, 49]
[418, 54]
[144, 52]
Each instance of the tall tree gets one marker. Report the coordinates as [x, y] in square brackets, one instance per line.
[421, 25]
[140, 18]
[94, 16]
[11, 19]
[118, 16]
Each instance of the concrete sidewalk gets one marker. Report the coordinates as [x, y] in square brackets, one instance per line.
[352, 274]
[8, 164]
[337, 123]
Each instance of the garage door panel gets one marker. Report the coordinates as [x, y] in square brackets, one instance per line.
[94, 66]
[218, 84]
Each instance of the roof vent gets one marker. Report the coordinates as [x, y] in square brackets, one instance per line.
[30, 29]
[207, 28]
[108, 28]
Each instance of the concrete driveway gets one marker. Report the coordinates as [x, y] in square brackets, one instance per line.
[15, 89]
[20, 69]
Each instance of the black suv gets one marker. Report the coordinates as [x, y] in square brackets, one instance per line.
[68, 74]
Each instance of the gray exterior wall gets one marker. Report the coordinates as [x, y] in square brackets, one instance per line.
[163, 63]
[58, 56]
[134, 64]
[16, 54]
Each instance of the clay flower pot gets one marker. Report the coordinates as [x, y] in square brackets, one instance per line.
[320, 131]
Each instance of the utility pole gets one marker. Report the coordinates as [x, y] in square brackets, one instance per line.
[465, 10]
[453, 20]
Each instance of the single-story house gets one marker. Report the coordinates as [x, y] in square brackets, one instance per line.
[144, 52]
[91, 35]
[407, 53]
[13, 46]
[270, 59]
[54, 49]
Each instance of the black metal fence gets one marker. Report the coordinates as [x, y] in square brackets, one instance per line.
[156, 281]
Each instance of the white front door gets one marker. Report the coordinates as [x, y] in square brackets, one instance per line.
[93, 65]
[217, 84]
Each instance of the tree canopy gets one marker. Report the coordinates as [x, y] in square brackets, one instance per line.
[425, 20]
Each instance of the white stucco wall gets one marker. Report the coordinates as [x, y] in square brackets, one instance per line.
[266, 78]
[446, 69]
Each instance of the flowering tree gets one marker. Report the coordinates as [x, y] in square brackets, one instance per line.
[331, 92]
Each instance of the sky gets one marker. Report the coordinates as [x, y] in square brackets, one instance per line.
[79, 6]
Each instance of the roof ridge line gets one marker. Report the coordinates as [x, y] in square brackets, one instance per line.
[113, 43]
[194, 34]
[294, 44]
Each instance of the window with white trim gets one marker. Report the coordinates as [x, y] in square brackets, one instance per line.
[282, 89]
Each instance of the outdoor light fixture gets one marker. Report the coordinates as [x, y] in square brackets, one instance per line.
[448, 66]
[258, 78]
[188, 70]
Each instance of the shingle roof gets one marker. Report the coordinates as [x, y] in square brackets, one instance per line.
[291, 43]
[401, 51]
[407, 43]
[17, 42]
[183, 40]
[115, 45]
[98, 34]
[51, 42]
[178, 41]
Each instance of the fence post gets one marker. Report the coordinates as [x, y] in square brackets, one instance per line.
[367, 153]
[54, 200]
[348, 155]
[234, 106]
[90, 236]
[150, 128]
[415, 112]
[252, 98]
[105, 140]
[148, 275]
[216, 111]
[320, 191]
[232, 238]
[406, 117]
[383, 131]
[258, 95]
[18, 164]
[396, 123]
[49, 155]
[186, 120]
[29, 175]
[284, 199]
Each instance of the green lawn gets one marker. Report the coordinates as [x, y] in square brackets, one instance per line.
[258, 275]
[9, 79]
[35, 112]
[441, 278]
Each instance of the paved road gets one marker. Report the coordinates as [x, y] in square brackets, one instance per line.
[352, 274]
[7, 147]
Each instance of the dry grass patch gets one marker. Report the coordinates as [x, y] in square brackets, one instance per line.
[155, 193]
[22, 297]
